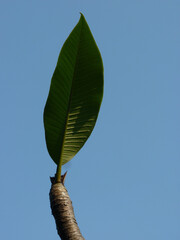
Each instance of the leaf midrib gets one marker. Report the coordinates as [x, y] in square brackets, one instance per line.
[70, 97]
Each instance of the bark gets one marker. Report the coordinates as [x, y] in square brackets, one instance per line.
[63, 212]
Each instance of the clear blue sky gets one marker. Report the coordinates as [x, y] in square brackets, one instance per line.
[125, 182]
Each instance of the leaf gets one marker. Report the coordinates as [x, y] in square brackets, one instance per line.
[75, 95]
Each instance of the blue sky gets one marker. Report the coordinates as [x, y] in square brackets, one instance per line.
[125, 182]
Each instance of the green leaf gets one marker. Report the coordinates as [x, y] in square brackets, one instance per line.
[75, 95]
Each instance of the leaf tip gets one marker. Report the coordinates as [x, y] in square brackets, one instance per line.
[82, 16]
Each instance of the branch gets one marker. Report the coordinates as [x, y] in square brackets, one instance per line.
[63, 212]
